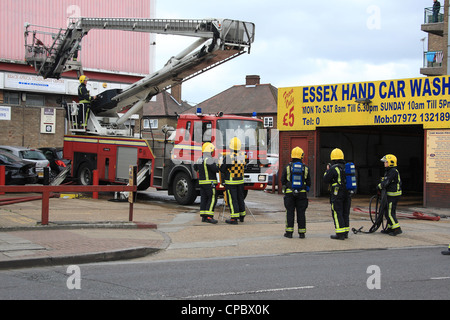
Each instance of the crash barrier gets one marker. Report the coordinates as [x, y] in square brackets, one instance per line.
[49, 191]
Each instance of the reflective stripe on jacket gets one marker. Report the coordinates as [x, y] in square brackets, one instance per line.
[207, 169]
[391, 182]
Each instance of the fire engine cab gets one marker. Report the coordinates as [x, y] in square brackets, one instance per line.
[167, 164]
[108, 144]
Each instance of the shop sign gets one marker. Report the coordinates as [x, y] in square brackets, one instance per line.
[28, 82]
[48, 120]
[418, 101]
[438, 156]
[5, 113]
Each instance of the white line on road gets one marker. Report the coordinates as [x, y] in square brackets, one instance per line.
[440, 278]
[247, 292]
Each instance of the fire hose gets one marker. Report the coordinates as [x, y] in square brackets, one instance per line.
[376, 216]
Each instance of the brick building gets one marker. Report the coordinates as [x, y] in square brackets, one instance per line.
[31, 112]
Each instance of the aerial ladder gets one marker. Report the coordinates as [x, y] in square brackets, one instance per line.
[51, 52]
[54, 51]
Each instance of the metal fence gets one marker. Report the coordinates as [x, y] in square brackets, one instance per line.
[433, 17]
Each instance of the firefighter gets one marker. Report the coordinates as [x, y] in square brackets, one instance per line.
[340, 197]
[84, 101]
[296, 182]
[232, 168]
[392, 183]
[207, 169]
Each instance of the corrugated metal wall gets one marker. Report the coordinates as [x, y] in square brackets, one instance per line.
[101, 49]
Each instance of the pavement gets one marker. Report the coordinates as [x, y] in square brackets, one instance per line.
[85, 230]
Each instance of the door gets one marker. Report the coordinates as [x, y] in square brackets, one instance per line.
[301, 142]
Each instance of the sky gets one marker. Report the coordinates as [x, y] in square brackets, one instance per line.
[300, 43]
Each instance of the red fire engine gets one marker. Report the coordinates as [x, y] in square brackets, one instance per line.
[107, 143]
[167, 164]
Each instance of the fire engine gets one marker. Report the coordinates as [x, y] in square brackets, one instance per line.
[108, 144]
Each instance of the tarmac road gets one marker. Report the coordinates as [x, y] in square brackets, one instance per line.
[84, 230]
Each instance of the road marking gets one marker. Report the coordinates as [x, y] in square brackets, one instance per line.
[247, 292]
[440, 278]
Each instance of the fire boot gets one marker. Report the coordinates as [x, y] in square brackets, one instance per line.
[288, 234]
[396, 231]
[338, 236]
[232, 221]
[210, 220]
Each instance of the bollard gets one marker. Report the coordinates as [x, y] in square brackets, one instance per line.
[46, 181]
[95, 183]
[2, 177]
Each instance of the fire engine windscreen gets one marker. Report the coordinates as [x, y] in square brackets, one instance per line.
[251, 133]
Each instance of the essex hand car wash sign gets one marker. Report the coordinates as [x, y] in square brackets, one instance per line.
[393, 102]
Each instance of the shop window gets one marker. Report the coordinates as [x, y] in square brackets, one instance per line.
[11, 98]
[35, 100]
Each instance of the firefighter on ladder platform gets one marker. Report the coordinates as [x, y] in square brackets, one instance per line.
[84, 102]
[207, 169]
[232, 168]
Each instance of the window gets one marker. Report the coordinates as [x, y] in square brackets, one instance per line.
[202, 131]
[150, 123]
[35, 100]
[187, 133]
[268, 122]
[11, 98]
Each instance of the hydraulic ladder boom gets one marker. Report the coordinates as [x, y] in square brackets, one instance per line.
[50, 49]
[52, 52]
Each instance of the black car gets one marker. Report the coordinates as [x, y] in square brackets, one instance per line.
[55, 156]
[18, 171]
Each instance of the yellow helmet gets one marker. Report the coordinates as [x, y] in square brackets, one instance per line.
[83, 78]
[208, 147]
[391, 159]
[297, 153]
[337, 154]
[235, 144]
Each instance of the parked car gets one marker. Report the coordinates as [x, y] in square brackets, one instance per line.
[33, 155]
[18, 171]
[271, 167]
[55, 157]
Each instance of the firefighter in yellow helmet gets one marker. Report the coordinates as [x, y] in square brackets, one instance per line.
[232, 168]
[85, 99]
[207, 169]
[340, 198]
[296, 181]
[392, 183]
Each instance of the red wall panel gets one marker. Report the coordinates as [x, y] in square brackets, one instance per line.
[101, 49]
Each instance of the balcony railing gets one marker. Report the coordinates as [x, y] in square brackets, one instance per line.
[431, 17]
[433, 59]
